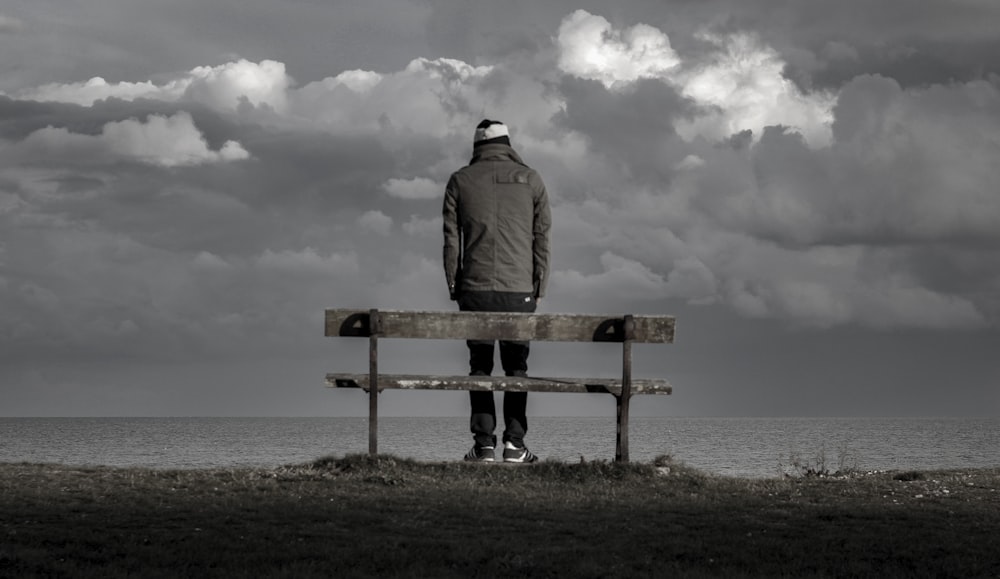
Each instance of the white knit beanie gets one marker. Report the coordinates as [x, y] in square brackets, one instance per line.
[491, 132]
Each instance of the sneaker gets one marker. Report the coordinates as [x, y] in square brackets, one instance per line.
[513, 453]
[480, 454]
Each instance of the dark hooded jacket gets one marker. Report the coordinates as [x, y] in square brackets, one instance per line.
[496, 225]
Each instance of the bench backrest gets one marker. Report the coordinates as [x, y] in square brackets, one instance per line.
[499, 326]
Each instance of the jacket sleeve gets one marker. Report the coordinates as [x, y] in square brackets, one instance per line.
[452, 237]
[542, 223]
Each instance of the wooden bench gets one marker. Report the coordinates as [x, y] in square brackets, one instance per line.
[374, 324]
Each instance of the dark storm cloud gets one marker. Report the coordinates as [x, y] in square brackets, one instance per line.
[104, 251]
[636, 127]
[238, 169]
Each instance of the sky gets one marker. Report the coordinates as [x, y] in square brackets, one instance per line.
[810, 187]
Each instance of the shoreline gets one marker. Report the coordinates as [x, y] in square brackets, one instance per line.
[732, 447]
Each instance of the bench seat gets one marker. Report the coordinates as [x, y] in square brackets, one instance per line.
[375, 325]
[498, 383]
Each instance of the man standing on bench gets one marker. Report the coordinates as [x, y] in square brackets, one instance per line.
[496, 259]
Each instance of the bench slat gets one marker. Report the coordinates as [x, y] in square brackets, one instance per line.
[499, 326]
[498, 383]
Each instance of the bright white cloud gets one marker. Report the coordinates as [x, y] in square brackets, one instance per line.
[690, 162]
[222, 87]
[87, 92]
[421, 99]
[589, 47]
[359, 81]
[165, 141]
[743, 88]
[739, 87]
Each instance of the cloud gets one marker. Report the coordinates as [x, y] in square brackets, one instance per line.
[738, 85]
[411, 270]
[376, 222]
[690, 162]
[589, 47]
[836, 50]
[693, 164]
[417, 225]
[691, 279]
[742, 86]
[891, 303]
[416, 188]
[306, 261]
[210, 262]
[359, 81]
[889, 224]
[906, 167]
[225, 86]
[9, 24]
[924, 152]
[95, 89]
[37, 296]
[222, 87]
[113, 295]
[625, 279]
[428, 97]
[166, 141]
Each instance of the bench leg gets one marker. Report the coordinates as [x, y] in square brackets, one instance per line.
[622, 401]
[621, 439]
[373, 421]
[374, 328]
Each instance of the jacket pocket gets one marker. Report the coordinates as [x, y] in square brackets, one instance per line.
[511, 178]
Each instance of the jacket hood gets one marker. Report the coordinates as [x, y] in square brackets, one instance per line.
[493, 151]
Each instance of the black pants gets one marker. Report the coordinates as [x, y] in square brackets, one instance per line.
[513, 360]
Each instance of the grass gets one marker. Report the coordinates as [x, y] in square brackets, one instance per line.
[361, 516]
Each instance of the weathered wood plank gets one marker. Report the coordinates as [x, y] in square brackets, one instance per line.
[499, 326]
[498, 383]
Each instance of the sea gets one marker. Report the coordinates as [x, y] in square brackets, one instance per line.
[739, 447]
